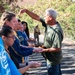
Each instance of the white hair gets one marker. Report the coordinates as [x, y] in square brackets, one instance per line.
[51, 12]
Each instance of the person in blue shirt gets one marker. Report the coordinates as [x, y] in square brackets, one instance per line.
[21, 35]
[23, 41]
[7, 34]
[26, 29]
[16, 49]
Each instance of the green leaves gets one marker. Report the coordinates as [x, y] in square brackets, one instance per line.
[65, 9]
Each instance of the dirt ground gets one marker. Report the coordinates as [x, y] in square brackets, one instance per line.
[67, 64]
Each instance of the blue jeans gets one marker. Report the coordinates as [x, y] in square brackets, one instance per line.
[54, 70]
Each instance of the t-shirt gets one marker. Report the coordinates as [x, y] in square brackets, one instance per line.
[7, 67]
[4, 66]
[13, 68]
[22, 38]
[53, 38]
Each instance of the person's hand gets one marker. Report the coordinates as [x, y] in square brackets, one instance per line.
[31, 45]
[22, 11]
[34, 64]
[45, 50]
[38, 50]
[32, 39]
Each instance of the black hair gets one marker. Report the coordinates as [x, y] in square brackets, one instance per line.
[19, 20]
[27, 29]
[5, 30]
[23, 22]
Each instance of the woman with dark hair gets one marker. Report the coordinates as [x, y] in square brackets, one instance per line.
[18, 50]
[7, 35]
[26, 29]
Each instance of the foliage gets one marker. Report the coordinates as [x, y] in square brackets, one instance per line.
[66, 14]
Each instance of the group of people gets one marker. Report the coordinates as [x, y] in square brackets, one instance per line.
[17, 47]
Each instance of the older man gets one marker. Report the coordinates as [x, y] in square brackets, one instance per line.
[52, 41]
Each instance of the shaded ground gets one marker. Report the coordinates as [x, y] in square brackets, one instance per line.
[68, 62]
[40, 70]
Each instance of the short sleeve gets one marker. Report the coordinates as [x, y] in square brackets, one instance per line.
[43, 22]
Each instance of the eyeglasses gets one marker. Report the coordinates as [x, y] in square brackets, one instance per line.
[13, 37]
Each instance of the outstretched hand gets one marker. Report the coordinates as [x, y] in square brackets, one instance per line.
[38, 50]
[22, 11]
[35, 64]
